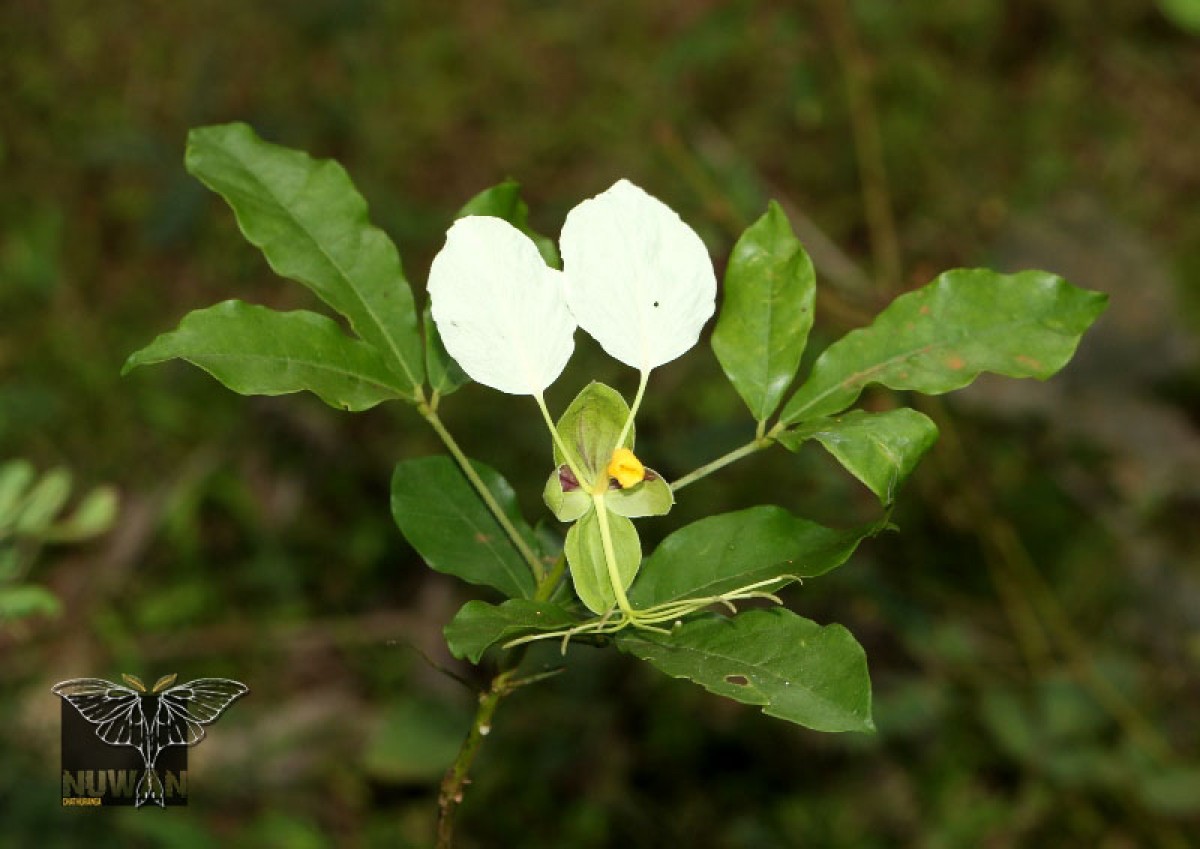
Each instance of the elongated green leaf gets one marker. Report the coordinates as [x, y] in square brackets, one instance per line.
[589, 569]
[721, 553]
[504, 201]
[43, 502]
[446, 521]
[941, 337]
[312, 226]
[880, 449]
[16, 476]
[27, 600]
[445, 375]
[478, 625]
[767, 312]
[258, 351]
[796, 669]
[94, 515]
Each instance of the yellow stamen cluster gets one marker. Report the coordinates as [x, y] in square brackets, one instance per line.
[626, 468]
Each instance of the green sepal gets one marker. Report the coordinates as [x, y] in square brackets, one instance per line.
[567, 506]
[589, 429]
[651, 497]
[585, 556]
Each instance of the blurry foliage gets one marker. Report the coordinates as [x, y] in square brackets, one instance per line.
[1034, 633]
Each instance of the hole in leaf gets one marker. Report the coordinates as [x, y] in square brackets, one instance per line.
[738, 680]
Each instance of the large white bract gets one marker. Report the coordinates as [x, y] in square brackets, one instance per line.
[639, 279]
[501, 311]
[635, 277]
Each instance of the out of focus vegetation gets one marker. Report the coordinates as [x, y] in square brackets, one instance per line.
[1033, 630]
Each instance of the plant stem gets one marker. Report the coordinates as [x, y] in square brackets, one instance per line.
[451, 793]
[546, 586]
[637, 402]
[575, 470]
[535, 564]
[610, 557]
[722, 461]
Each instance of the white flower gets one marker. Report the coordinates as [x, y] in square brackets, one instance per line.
[639, 280]
[501, 311]
[635, 277]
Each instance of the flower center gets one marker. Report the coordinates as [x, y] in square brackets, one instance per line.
[626, 468]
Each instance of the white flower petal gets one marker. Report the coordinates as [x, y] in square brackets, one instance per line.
[639, 279]
[501, 311]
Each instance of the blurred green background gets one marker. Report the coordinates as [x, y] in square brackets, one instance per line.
[1034, 629]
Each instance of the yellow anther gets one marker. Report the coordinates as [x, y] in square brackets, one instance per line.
[626, 468]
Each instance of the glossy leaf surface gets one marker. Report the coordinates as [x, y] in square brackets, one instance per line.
[766, 313]
[880, 449]
[448, 524]
[794, 668]
[942, 336]
[311, 224]
[254, 350]
[721, 553]
[478, 625]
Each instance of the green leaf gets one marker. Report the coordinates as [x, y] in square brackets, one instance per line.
[880, 449]
[44, 500]
[941, 337]
[27, 600]
[254, 350]
[794, 668]
[448, 524]
[589, 429]
[585, 556]
[721, 553]
[1185, 14]
[94, 515]
[767, 312]
[312, 226]
[504, 201]
[445, 375]
[16, 476]
[478, 625]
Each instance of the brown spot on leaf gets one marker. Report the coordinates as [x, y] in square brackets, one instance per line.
[1029, 362]
[738, 680]
[482, 538]
[955, 362]
[924, 309]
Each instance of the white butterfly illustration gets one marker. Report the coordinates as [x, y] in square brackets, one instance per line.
[150, 720]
